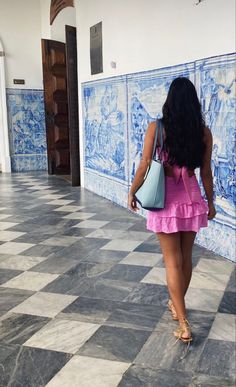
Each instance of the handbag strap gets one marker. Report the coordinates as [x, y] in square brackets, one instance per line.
[159, 126]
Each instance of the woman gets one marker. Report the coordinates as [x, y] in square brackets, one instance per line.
[187, 145]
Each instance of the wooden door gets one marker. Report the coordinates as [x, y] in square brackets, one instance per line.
[72, 92]
[56, 106]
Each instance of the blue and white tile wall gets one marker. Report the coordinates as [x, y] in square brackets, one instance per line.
[116, 112]
[215, 83]
[26, 120]
[106, 139]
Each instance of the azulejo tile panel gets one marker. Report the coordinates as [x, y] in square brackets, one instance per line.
[146, 95]
[26, 119]
[136, 99]
[216, 84]
[105, 123]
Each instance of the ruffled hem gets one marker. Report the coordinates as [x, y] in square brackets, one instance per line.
[180, 210]
[174, 224]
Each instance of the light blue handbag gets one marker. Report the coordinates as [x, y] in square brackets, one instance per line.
[151, 194]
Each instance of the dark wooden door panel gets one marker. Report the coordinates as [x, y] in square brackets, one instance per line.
[71, 56]
[56, 106]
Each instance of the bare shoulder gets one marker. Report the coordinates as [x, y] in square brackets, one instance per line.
[152, 125]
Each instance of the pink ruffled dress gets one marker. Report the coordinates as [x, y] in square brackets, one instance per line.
[185, 208]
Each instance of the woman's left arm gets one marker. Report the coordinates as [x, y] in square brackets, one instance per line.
[143, 165]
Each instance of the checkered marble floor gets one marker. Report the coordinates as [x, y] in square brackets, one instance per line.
[83, 296]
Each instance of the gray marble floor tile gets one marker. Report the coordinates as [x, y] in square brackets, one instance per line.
[109, 289]
[91, 309]
[218, 359]
[25, 366]
[140, 226]
[231, 286]
[100, 256]
[148, 294]
[17, 328]
[7, 274]
[42, 250]
[136, 315]
[78, 232]
[118, 226]
[55, 265]
[78, 279]
[60, 240]
[202, 252]
[228, 303]
[79, 250]
[9, 298]
[199, 380]
[127, 272]
[69, 208]
[153, 377]
[149, 247]
[112, 343]
[119, 234]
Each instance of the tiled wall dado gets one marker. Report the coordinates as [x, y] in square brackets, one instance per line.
[116, 112]
[26, 120]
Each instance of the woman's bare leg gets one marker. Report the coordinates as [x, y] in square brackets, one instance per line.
[187, 240]
[172, 254]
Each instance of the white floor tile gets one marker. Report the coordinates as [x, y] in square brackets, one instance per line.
[62, 335]
[84, 371]
[122, 245]
[14, 248]
[30, 280]
[44, 304]
[223, 327]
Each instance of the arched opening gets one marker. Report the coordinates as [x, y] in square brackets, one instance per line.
[5, 160]
[61, 92]
[57, 6]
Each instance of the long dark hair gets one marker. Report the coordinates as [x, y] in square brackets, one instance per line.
[184, 125]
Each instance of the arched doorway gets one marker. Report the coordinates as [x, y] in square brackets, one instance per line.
[5, 159]
[61, 92]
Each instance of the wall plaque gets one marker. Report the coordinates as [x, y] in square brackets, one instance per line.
[96, 58]
[57, 6]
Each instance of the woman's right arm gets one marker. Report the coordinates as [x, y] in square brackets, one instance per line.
[206, 174]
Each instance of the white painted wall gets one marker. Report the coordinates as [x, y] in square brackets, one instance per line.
[20, 32]
[66, 17]
[45, 19]
[143, 35]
